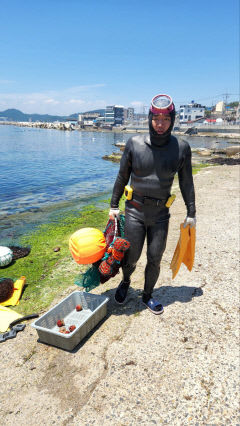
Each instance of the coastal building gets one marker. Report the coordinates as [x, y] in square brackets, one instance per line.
[130, 114]
[227, 112]
[99, 120]
[220, 107]
[114, 115]
[118, 115]
[109, 114]
[191, 112]
[141, 119]
[88, 119]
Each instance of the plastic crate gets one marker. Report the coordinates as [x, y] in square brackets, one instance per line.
[94, 308]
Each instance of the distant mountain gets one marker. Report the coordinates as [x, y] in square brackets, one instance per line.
[16, 115]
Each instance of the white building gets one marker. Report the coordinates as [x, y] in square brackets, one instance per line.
[191, 112]
[88, 119]
[220, 107]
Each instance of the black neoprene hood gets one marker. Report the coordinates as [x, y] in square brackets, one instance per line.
[155, 138]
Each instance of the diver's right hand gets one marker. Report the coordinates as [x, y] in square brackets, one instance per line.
[190, 221]
[114, 213]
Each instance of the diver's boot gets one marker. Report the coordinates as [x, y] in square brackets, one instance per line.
[121, 292]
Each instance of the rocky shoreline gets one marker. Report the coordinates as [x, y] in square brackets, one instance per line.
[229, 155]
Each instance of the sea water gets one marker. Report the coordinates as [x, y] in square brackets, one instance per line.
[47, 173]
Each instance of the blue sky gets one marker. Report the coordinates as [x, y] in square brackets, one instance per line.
[66, 56]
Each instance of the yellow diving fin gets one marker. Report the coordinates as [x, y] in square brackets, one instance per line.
[6, 317]
[188, 258]
[185, 250]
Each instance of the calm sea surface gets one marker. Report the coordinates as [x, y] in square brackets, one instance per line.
[46, 173]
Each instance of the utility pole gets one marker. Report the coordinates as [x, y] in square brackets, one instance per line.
[225, 102]
[226, 97]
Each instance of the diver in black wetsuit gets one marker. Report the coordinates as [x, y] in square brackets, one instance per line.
[151, 162]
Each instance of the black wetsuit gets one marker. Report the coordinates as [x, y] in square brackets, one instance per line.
[151, 162]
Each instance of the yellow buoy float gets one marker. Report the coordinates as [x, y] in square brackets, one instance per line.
[87, 245]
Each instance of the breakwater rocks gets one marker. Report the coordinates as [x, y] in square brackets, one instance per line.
[230, 132]
[43, 125]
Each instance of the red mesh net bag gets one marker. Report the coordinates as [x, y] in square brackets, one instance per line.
[111, 263]
[114, 228]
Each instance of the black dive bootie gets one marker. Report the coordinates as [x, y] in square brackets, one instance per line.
[121, 292]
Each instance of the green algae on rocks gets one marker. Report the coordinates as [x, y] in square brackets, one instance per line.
[49, 272]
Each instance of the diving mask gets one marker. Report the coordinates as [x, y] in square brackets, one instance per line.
[162, 104]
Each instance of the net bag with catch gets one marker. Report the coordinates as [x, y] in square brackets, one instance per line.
[94, 276]
[114, 228]
[111, 262]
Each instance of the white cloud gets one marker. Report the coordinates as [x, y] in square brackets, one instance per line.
[51, 101]
[57, 102]
[136, 103]
[139, 106]
[75, 101]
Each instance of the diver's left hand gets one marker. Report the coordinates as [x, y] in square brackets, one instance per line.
[190, 221]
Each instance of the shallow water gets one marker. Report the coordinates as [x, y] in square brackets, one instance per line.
[47, 173]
